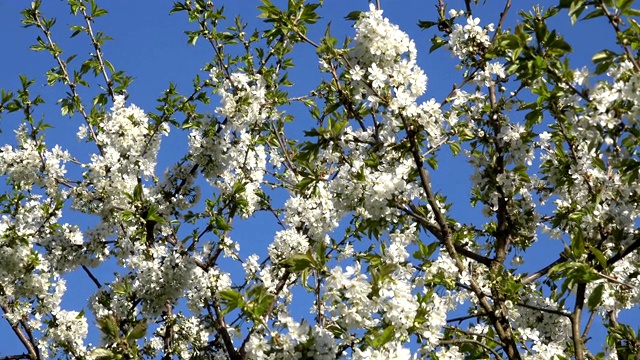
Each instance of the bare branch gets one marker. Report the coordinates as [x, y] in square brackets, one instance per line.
[92, 277]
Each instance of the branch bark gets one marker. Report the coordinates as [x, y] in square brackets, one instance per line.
[497, 319]
[32, 349]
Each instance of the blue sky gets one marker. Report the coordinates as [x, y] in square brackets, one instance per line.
[150, 46]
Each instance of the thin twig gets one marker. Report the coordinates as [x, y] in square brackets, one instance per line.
[551, 311]
[466, 317]
[88, 19]
[471, 333]
[587, 327]
[91, 276]
[470, 341]
[542, 272]
[614, 20]
[503, 17]
[37, 17]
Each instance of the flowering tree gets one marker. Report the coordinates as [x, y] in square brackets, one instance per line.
[368, 263]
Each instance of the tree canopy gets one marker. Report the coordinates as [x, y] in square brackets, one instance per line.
[332, 137]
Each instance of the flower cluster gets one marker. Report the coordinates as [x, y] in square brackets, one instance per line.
[347, 295]
[286, 244]
[228, 151]
[385, 72]
[466, 41]
[317, 213]
[69, 331]
[595, 195]
[128, 146]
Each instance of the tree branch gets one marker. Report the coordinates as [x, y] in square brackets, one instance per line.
[542, 272]
[499, 322]
[32, 349]
[91, 276]
[470, 341]
[578, 344]
[96, 46]
[16, 357]
[222, 330]
[167, 337]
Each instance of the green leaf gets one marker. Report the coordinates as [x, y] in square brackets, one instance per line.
[299, 262]
[354, 15]
[304, 183]
[577, 245]
[594, 14]
[108, 325]
[232, 299]
[436, 42]
[432, 162]
[624, 4]
[600, 257]
[384, 337]
[595, 297]
[631, 12]
[229, 295]
[455, 148]
[423, 24]
[138, 331]
[575, 9]
[102, 354]
[137, 192]
[509, 41]
[152, 214]
[221, 223]
[121, 288]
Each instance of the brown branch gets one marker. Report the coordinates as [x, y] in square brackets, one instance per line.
[498, 320]
[15, 357]
[503, 238]
[467, 4]
[542, 272]
[32, 349]
[319, 314]
[306, 39]
[222, 330]
[91, 276]
[587, 328]
[242, 352]
[167, 337]
[578, 344]
[503, 230]
[503, 17]
[434, 229]
[620, 255]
